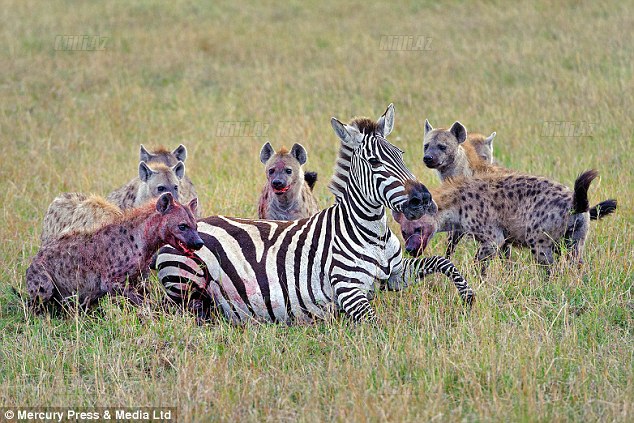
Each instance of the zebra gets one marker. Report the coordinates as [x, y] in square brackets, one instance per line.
[304, 270]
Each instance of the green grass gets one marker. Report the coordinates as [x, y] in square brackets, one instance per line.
[532, 349]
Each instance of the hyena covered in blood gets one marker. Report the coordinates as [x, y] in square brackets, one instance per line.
[509, 208]
[77, 212]
[186, 190]
[111, 259]
[153, 180]
[288, 193]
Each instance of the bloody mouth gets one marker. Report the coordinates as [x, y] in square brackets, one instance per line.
[184, 248]
[281, 190]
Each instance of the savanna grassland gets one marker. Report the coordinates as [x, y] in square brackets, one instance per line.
[531, 349]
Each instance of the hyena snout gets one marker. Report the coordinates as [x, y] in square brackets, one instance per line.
[419, 202]
[431, 161]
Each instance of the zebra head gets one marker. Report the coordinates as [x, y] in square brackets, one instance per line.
[373, 172]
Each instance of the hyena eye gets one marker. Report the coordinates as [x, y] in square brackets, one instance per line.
[425, 147]
[183, 227]
[374, 161]
[289, 171]
[442, 147]
[160, 188]
[271, 171]
[175, 187]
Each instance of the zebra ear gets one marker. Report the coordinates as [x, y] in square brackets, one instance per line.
[459, 131]
[180, 153]
[179, 170]
[144, 155]
[386, 122]
[428, 127]
[346, 133]
[164, 203]
[145, 172]
[266, 152]
[299, 152]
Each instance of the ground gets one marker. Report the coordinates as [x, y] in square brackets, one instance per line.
[555, 82]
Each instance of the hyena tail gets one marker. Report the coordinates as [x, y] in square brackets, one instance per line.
[580, 197]
[603, 209]
[310, 178]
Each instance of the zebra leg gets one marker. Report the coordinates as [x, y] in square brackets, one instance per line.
[354, 302]
[417, 268]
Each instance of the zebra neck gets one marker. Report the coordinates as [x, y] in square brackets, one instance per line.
[361, 214]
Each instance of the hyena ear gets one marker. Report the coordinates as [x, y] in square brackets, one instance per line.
[179, 170]
[346, 133]
[458, 131]
[386, 122]
[193, 205]
[299, 152]
[144, 155]
[266, 152]
[489, 140]
[398, 216]
[164, 203]
[145, 172]
[428, 127]
[180, 153]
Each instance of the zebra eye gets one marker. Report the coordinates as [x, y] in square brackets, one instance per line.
[160, 188]
[183, 227]
[289, 171]
[442, 147]
[374, 161]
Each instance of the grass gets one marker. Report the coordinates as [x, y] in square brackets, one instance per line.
[532, 349]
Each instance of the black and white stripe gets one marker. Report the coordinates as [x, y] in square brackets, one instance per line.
[285, 271]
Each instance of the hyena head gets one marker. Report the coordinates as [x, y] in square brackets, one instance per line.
[373, 170]
[178, 225]
[441, 145]
[283, 169]
[483, 146]
[162, 155]
[159, 179]
[416, 233]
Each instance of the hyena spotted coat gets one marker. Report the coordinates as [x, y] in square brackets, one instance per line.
[186, 190]
[446, 151]
[287, 194]
[153, 180]
[109, 260]
[77, 212]
[512, 208]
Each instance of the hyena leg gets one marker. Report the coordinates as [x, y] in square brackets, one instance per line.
[452, 241]
[505, 251]
[542, 250]
[40, 286]
[353, 301]
[488, 249]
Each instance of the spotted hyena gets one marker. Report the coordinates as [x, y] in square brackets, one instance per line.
[110, 260]
[187, 192]
[153, 180]
[482, 145]
[77, 212]
[446, 151]
[287, 194]
[512, 208]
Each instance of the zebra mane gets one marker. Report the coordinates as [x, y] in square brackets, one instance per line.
[339, 181]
